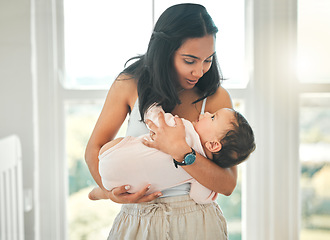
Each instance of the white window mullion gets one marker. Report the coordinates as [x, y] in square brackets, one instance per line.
[271, 209]
[82, 95]
[314, 88]
[50, 178]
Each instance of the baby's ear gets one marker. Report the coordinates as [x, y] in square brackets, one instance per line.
[213, 146]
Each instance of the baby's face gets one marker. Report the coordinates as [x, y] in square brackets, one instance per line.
[214, 126]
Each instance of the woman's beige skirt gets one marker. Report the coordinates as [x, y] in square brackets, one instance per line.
[175, 218]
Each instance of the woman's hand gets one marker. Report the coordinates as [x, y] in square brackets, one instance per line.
[170, 140]
[120, 195]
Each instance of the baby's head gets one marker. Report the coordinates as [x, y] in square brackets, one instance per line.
[226, 136]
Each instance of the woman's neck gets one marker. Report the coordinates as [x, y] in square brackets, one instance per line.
[186, 109]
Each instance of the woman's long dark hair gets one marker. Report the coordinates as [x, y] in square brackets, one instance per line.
[155, 72]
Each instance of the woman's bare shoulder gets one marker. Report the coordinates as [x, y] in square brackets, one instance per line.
[117, 105]
[125, 80]
[220, 99]
[125, 85]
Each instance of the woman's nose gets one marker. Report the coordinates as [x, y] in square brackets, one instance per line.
[198, 71]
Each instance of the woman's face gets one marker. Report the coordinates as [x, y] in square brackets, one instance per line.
[193, 59]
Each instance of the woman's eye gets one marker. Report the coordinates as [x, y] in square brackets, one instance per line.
[208, 61]
[213, 117]
[188, 62]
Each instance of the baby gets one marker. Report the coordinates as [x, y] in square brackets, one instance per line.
[225, 137]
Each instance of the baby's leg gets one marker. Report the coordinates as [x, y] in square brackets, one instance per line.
[96, 194]
[109, 145]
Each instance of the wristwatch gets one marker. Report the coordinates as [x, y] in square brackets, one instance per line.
[188, 159]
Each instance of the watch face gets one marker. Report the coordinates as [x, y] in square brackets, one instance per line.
[190, 159]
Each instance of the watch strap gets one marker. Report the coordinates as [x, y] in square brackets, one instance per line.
[183, 163]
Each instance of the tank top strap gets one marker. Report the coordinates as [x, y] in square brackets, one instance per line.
[135, 126]
[203, 106]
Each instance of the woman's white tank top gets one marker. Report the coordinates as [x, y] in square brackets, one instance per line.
[136, 127]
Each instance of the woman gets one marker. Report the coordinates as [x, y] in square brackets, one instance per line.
[180, 72]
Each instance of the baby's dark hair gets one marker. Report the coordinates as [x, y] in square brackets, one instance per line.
[237, 144]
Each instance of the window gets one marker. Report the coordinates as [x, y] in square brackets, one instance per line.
[99, 37]
[97, 45]
[314, 75]
[315, 165]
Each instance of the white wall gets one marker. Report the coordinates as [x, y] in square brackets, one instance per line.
[16, 89]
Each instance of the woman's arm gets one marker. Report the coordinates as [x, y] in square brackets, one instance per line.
[210, 175]
[171, 140]
[111, 118]
[116, 107]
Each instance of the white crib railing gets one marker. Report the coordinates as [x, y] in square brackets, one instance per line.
[11, 190]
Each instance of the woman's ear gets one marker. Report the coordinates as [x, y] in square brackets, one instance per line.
[213, 146]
